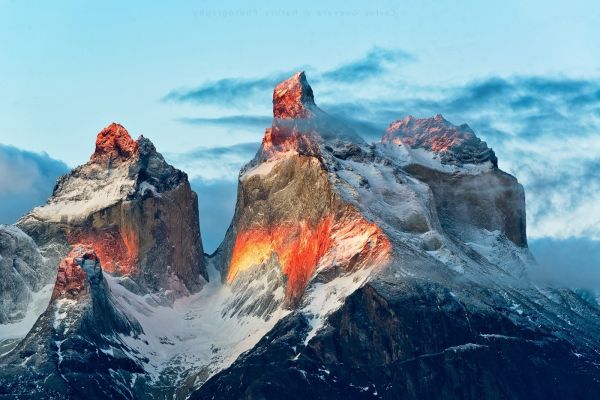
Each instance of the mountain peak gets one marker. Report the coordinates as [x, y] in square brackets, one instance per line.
[457, 143]
[293, 98]
[114, 142]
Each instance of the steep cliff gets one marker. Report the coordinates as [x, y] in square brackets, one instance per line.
[75, 350]
[288, 213]
[137, 212]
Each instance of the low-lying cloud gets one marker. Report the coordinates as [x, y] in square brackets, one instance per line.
[26, 181]
[574, 262]
[241, 91]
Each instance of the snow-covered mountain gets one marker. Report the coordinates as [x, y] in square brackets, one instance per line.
[136, 211]
[396, 269]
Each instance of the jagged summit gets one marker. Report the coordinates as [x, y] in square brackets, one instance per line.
[456, 145]
[114, 142]
[135, 210]
[293, 98]
[299, 126]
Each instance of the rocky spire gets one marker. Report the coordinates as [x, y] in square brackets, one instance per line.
[114, 142]
[293, 98]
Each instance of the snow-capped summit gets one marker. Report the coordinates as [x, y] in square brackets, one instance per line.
[455, 145]
[135, 210]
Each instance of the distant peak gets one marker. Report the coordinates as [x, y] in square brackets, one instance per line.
[293, 98]
[114, 142]
[436, 134]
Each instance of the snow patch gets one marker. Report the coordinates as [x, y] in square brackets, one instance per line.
[194, 322]
[324, 298]
[265, 167]
[86, 192]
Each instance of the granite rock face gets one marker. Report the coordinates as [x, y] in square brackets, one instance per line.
[74, 349]
[137, 212]
[417, 340]
[288, 213]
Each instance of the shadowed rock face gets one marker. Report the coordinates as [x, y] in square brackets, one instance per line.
[74, 350]
[412, 340]
[492, 200]
[136, 211]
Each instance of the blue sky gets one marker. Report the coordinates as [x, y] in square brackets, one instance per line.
[196, 78]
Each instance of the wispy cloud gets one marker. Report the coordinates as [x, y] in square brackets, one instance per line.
[227, 91]
[240, 90]
[26, 181]
[211, 164]
[375, 63]
[248, 121]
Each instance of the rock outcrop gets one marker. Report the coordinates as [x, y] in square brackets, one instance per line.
[137, 212]
[75, 350]
[470, 191]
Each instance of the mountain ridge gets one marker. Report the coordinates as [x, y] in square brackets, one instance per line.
[349, 270]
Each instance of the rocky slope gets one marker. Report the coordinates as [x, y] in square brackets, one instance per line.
[136, 211]
[25, 288]
[74, 349]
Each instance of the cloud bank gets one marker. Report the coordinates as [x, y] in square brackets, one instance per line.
[26, 181]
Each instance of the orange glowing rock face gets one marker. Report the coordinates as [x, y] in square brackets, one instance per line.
[293, 98]
[116, 250]
[70, 278]
[434, 133]
[300, 248]
[114, 142]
